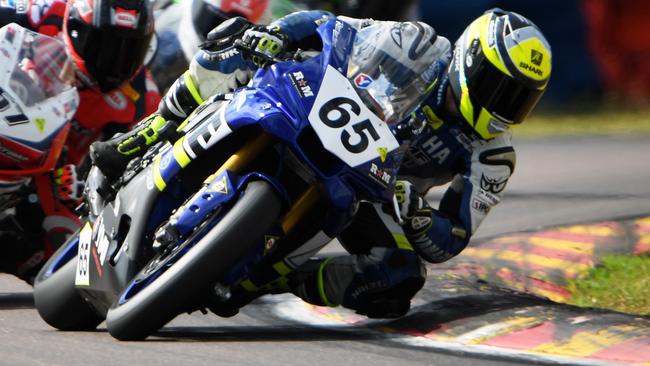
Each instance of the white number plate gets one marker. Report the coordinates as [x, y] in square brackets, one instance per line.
[345, 126]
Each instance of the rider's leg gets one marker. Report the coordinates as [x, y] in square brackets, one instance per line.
[112, 156]
[378, 279]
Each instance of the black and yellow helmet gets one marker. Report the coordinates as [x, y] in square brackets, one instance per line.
[501, 66]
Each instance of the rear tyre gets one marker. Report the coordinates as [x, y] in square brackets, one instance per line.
[180, 286]
[57, 300]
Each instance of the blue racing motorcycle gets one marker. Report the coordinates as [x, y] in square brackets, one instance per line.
[256, 178]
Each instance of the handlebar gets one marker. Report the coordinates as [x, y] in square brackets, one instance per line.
[297, 55]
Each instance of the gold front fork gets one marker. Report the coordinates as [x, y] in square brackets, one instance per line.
[300, 208]
[240, 159]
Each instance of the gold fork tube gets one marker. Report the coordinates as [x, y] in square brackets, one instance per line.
[240, 159]
[306, 202]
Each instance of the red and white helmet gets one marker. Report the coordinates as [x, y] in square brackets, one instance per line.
[108, 39]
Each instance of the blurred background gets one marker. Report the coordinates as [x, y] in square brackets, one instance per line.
[601, 48]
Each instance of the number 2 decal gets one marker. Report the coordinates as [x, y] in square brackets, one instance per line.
[344, 124]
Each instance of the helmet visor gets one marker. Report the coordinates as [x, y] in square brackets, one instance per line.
[111, 56]
[500, 94]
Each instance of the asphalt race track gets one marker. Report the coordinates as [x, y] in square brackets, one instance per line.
[557, 181]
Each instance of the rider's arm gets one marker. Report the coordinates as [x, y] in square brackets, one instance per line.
[439, 235]
[218, 72]
[300, 28]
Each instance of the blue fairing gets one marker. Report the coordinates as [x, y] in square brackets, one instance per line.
[279, 101]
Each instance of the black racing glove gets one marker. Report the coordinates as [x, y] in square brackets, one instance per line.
[406, 202]
[265, 41]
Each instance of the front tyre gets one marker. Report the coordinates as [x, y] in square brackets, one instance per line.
[55, 296]
[173, 291]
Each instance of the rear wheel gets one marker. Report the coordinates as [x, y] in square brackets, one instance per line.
[57, 300]
[162, 294]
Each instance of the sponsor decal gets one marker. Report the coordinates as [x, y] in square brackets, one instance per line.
[494, 185]
[164, 162]
[69, 107]
[83, 278]
[98, 266]
[302, 86]
[336, 31]
[536, 57]
[486, 196]
[114, 99]
[125, 18]
[101, 245]
[269, 242]
[40, 124]
[219, 56]
[379, 174]
[435, 149]
[535, 70]
[363, 81]
[420, 222]
[383, 152]
[220, 186]
[480, 206]
[396, 34]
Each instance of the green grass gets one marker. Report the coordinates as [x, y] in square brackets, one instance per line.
[620, 283]
[602, 122]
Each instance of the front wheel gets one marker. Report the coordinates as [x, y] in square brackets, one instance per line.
[164, 295]
[55, 296]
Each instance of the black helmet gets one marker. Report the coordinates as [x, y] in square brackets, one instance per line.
[501, 66]
[108, 39]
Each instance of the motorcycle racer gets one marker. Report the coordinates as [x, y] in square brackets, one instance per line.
[498, 71]
[107, 41]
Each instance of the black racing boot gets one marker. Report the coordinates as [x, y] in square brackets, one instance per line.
[113, 155]
[379, 284]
